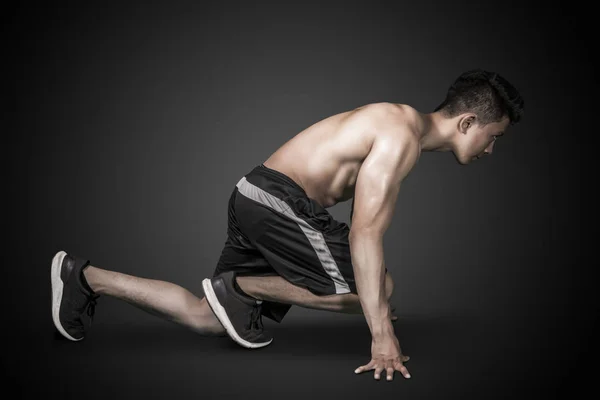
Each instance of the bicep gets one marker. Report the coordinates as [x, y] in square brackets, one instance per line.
[378, 184]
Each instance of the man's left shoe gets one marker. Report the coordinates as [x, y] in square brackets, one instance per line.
[73, 301]
[239, 313]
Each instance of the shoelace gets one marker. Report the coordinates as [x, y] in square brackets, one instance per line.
[90, 310]
[255, 318]
[91, 307]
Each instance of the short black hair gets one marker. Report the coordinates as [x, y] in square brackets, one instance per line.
[485, 93]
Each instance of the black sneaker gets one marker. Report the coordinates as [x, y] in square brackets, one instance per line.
[73, 301]
[239, 313]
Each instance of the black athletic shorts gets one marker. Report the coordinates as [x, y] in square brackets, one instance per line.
[274, 228]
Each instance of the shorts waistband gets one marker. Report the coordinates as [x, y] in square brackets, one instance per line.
[261, 169]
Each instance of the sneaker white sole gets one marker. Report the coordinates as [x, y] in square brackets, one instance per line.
[221, 315]
[57, 292]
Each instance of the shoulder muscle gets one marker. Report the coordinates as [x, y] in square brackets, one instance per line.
[390, 159]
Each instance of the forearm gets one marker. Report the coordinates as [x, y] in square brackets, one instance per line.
[369, 273]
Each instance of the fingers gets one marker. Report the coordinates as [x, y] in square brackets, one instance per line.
[390, 373]
[364, 368]
[378, 370]
[402, 369]
[390, 367]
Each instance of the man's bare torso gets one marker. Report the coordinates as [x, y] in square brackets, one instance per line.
[325, 158]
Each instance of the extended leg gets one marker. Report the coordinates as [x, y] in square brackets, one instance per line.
[164, 299]
[277, 289]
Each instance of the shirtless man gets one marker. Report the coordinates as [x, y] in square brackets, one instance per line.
[283, 248]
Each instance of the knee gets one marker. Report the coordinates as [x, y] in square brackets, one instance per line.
[389, 286]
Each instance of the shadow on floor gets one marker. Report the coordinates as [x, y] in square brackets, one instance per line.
[311, 337]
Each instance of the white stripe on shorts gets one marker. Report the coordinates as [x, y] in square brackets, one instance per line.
[315, 237]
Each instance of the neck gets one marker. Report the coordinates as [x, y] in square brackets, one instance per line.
[437, 132]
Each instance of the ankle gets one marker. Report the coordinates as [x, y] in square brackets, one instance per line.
[92, 277]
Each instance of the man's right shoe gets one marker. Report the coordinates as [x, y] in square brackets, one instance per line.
[239, 313]
[73, 301]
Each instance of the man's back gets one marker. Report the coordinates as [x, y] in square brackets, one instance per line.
[324, 159]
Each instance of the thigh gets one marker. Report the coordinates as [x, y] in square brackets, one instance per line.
[243, 259]
[238, 253]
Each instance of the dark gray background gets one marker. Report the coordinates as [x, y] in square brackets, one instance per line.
[129, 127]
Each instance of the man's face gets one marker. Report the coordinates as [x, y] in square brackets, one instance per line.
[475, 141]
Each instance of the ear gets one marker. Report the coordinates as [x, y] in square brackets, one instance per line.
[465, 122]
